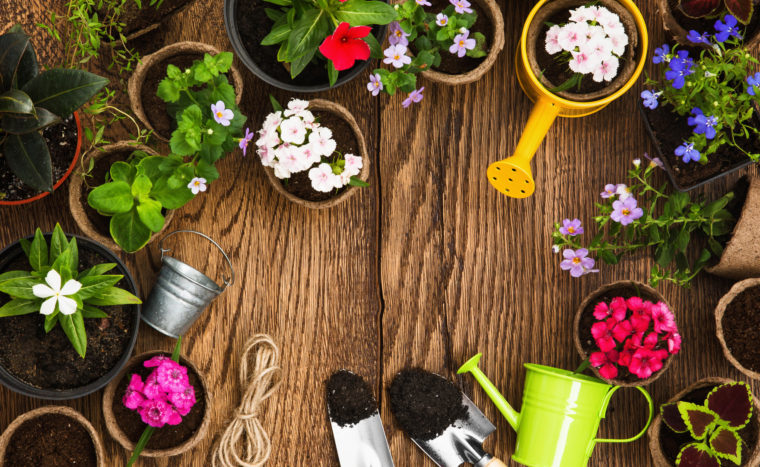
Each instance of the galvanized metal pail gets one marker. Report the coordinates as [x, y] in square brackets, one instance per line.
[181, 292]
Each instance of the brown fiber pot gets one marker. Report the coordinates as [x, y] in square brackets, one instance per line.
[342, 112]
[644, 290]
[53, 409]
[494, 14]
[654, 429]
[679, 33]
[720, 310]
[136, 81]
[115, 430]
[78, 186]
[741, 257]
[630, 61]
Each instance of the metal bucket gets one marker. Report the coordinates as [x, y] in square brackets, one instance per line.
[181, 292]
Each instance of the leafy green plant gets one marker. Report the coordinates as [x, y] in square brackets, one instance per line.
[30, 101]
[713, 425]
[57, 289]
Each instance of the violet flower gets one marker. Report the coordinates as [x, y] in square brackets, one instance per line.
[626, 211]
[577, 262]
[571, 227]
[414, 97]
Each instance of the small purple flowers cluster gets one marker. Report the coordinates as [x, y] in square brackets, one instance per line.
[166, 395]
[680, 66]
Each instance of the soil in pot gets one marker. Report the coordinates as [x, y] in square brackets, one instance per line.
[156, 109]
[741, 328]
[424, 403]
[587, 320]
[672, 442]
[670, 130]
[136, 18]
[62, 143]
[299, 183]
[49, 361]
[708, 24]
[169, 436]
[51, 440]
[349, 398]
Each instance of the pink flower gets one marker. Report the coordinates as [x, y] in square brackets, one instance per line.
[605, 361]
[174, 418]
[132, 396]
[155, 361]
[645, 362]
[601, 311]
[183, 400]
[155, 413]
[674, 342]
[635, 304]
[602, 333]
[640, 322]
[622, 331]
[153, 389]
[618, 305]
[171, 376]
[663, 319]
[650, 341]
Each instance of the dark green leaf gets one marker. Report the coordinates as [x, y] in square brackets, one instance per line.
[664, 255]
[363, 12]
[114, 296]
[28, 67]
[14, 275]
[63, 91]
[608, 257]
[51, 320]
[112, 198]
[332, 73]
[278, 34]
[280, 2]
[93, 285]
[58, 243]
[376, 50]
[298, 64]
[275, 104]
[18, 307]
[129, 232]
[682, 239]
[20, 124]
[25, 245]
[93, 312]
[170, 198]
[12, 47]
[20, 287]
[308, 32]
[97, 270]
[38, 254]
[14, 101]
[73, 326]
[28, 157]
[146, 434]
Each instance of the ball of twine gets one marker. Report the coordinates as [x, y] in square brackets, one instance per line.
[245, 442]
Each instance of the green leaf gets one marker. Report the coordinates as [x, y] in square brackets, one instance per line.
[697, 454]
[332, 72]
[275, 104]
[727, 444]
[148, 432]
[12, 48]
[51, 320]
[363, 12]
[16, 102]
[63, 91]
[207, 171]
[281, 2]
[14, 275]
[18, 307]
[141, 186]
[355, 181]
[149, 212]
[28, 67]
[177, 349]
[713, 208]
[682, 240]
[38, 253]
[168, 90]
[20, 124]
[308, 32]
[129, 232]
[698, 418]
[170, 198]
[73, 326]
[97, 270]
[114, 296]
[20, 287]
[664, 255]
[28, 157]
[186, 139]
[122, 172]
[93, 312]
[93, 285]
[58, 243]
[375, 49]
[279, 33]
[112, 198]
[298, 64]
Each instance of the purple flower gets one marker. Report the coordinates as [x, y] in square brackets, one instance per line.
[753, 81]
[397, 35]
[424, 3]
[661, 54]
[650, 99]
[171, 376]
[610, 190]
[571, 227]
[183, 400]
[687, 151]
[695, 112]
[577, 262]
[705, 125]
[441, 20]
[375, 84]
[696, 38]
[133, 396]
[461, 6]
[462, 43]
[656, 161]
[726, 29]
[152, 388]
[222, 115]
[626, 211]
[680, 68]
[246, 139]
[155, 412]
[414, 96]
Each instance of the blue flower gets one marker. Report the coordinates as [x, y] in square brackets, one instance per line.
[696, 111]
[697, 38]
[661, 54]
[680, 68]
[727, 29]
[753, 81]
[687, 151]
[650, 99]
[705, 125]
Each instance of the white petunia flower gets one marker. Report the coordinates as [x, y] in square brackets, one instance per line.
[353, 165]
[322, 142]
[293, 130]
[280, 172]
[607, 69]
[619, 41]
[272, 121]
[296, 107]
[56, 294]
[197, 185]
[323, 179]
[579, 15]
[583, 62]
[552, 40]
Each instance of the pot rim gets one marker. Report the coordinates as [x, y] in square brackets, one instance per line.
[77, 153]
[679, 33]
[720, 310]
[16, 385]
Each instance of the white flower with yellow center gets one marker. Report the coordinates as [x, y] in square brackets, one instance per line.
[197, 185]
[57, 295]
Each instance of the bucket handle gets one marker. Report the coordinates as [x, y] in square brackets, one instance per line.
[639, 434]
[228, 281]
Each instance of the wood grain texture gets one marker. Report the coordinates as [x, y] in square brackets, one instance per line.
[426, 267]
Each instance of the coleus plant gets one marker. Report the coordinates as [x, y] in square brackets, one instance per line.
[32, 100]
[741, 9]
[714, 425]
[58, 290]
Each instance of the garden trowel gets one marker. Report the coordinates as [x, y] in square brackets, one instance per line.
[362, 444]
[462, 441]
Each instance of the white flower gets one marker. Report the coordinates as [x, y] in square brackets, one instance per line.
[322, 142]
[296, 107]
[267, 156]
[310, 155]
[307, 117]
[595, 13]
[572, 35]
[268, 139]
[599, 47]
[595, 32]
[555, 248]
[272, 121]
[56, 294]
[619, 41]
[579, 15]
[636, 163]
[583, 62]
[345, 178]
[353, 165]
[552, 40]
[396, 56]
[293, 160]
[623, 191]
[607, 69]
[197, 185]
[280, 172]
[612, 25]
[293, 130]
[323, 179]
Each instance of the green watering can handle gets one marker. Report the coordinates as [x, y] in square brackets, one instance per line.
[639, 434]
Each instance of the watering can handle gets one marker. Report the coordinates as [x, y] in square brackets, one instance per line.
[541, 119]
[228, 281]
[639, 434]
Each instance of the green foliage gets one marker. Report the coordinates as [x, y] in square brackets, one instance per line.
[61, 255]
[30, 101]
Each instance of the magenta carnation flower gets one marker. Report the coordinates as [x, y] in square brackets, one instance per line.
[171, 376]
[155, 412]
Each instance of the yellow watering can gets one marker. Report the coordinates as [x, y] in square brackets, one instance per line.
[513, 176]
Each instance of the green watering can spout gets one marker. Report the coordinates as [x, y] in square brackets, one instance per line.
[471, 365]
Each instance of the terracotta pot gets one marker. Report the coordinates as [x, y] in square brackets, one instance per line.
[538, 25]
[493, 12]
[137, 79]
[77, 188]
[753, 460]
[741, 257]
[59, 410]
[720, 310]
[645, 291]
[115, 430]
[679, 33]
[65, 176]
[342, 112]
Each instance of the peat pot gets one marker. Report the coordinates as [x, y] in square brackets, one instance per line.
[737, 325]
[741, 257]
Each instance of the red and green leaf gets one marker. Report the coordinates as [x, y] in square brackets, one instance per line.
[699, 8]
[727, 444]
[741, 9]
[732, 402]
[698, 418]
[672, 417]
[696, 455]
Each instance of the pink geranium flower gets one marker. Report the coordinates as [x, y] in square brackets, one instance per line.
[635, 304]
[133, 396]
[663, 319]
[674, 342]
[172, 377]
[183, 400]
[155, 361]
[155, 412]
[622, 331]
[640, 322]
[602, 333]
[605, 361]
[646, 362]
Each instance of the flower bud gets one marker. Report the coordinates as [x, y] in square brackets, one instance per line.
[210, 131]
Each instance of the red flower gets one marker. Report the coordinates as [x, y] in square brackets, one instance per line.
[618, 306]
[640, 322]
[645, 362]
[602, 332]
[635, 304]
[603, 311]
[622, 331]
[345, 46]
[605, 362]
[674, 342]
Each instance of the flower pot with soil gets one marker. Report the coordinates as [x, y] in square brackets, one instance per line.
[627, 333]
[713, 422]
[680, 17]
[140, 17]
[40, 135]
[51, 435]
[135, 399]
[590, 56]
[705, 134]
[153, 111]
[313, 153]
[89, 317]
[308, 49]
[738, 327]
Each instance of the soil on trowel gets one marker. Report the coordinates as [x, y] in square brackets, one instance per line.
[349, 398]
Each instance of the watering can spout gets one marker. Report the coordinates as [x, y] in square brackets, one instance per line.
[471, 365]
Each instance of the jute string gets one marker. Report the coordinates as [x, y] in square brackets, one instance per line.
[245, 442]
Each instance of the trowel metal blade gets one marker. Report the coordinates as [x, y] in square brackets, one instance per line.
[363, 444]
[462, 441]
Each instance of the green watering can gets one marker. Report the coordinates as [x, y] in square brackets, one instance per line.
[561, 411]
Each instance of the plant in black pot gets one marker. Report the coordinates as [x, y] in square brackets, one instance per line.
[306, 46]
[67, 282]
[702, 111]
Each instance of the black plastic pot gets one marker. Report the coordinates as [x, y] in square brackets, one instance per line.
[7, 256]
[230, 24]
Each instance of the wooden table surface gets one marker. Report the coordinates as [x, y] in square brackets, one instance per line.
[426, 267]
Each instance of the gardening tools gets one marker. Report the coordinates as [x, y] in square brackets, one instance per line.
[181, 292]
[362, 444]
[513, 176]
[560, 415]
